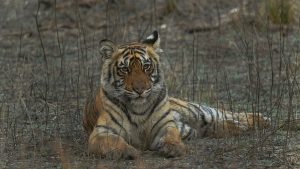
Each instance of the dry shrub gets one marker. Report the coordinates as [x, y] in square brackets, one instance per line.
[279, 11]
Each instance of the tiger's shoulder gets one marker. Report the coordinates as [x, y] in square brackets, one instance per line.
[92, 109]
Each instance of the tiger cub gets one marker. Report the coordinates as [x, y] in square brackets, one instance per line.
[131, 109]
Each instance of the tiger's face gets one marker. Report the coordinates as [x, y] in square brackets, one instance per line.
[131, 72]
[134, 70]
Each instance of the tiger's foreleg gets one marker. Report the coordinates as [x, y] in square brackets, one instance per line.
[107, 141]
[167, 140]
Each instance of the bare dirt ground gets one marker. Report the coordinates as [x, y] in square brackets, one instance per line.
[49, 64]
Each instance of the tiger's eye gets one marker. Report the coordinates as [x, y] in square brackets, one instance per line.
[147, 66]
[124, 69]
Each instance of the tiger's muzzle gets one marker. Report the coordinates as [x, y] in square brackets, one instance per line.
[137, 81]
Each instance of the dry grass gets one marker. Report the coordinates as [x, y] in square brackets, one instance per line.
[49, 65]
[280, 12]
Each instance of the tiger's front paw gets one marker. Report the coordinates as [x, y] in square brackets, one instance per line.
[125, 153]
[172, 150]
[112, 147]
[170, 145]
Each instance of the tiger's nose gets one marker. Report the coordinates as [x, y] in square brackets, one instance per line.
[139, 87]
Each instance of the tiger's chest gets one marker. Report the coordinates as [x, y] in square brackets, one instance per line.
[139, 137]
[142, 127]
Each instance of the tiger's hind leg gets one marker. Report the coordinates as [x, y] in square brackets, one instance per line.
[211, 122]
[226, 124]
[239, 123]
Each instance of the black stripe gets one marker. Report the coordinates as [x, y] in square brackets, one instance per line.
[130, 50]
[139, 114]
[188, 134]
[204, 120]
[175, 110]
[126, 57]
[161, 127]
[210, 112]
[201, 113]
[107, 128]
[116, 122]
[157, 79]
[122, 107]
[144, 57]
[125, 50]
[151, 70]
[119, 73]
[186, 107]
[160, 119]
[114, 119]
[182, 129]
[109, 72]
[110, 107]
[160, 98]
[127, 114]
[113, 75]
[121, 64]
[207, 109]
[139, 52]
[197, 109]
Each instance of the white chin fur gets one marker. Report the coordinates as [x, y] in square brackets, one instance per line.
[139, 101]
[140, 105]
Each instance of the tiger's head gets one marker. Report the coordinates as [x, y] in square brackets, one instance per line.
[131, 72]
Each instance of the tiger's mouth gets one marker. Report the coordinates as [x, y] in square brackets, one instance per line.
[139, 97]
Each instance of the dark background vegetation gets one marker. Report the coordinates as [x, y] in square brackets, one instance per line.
[233, 54]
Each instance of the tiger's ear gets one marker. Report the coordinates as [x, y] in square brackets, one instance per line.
[154, 41]
[107, 48]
